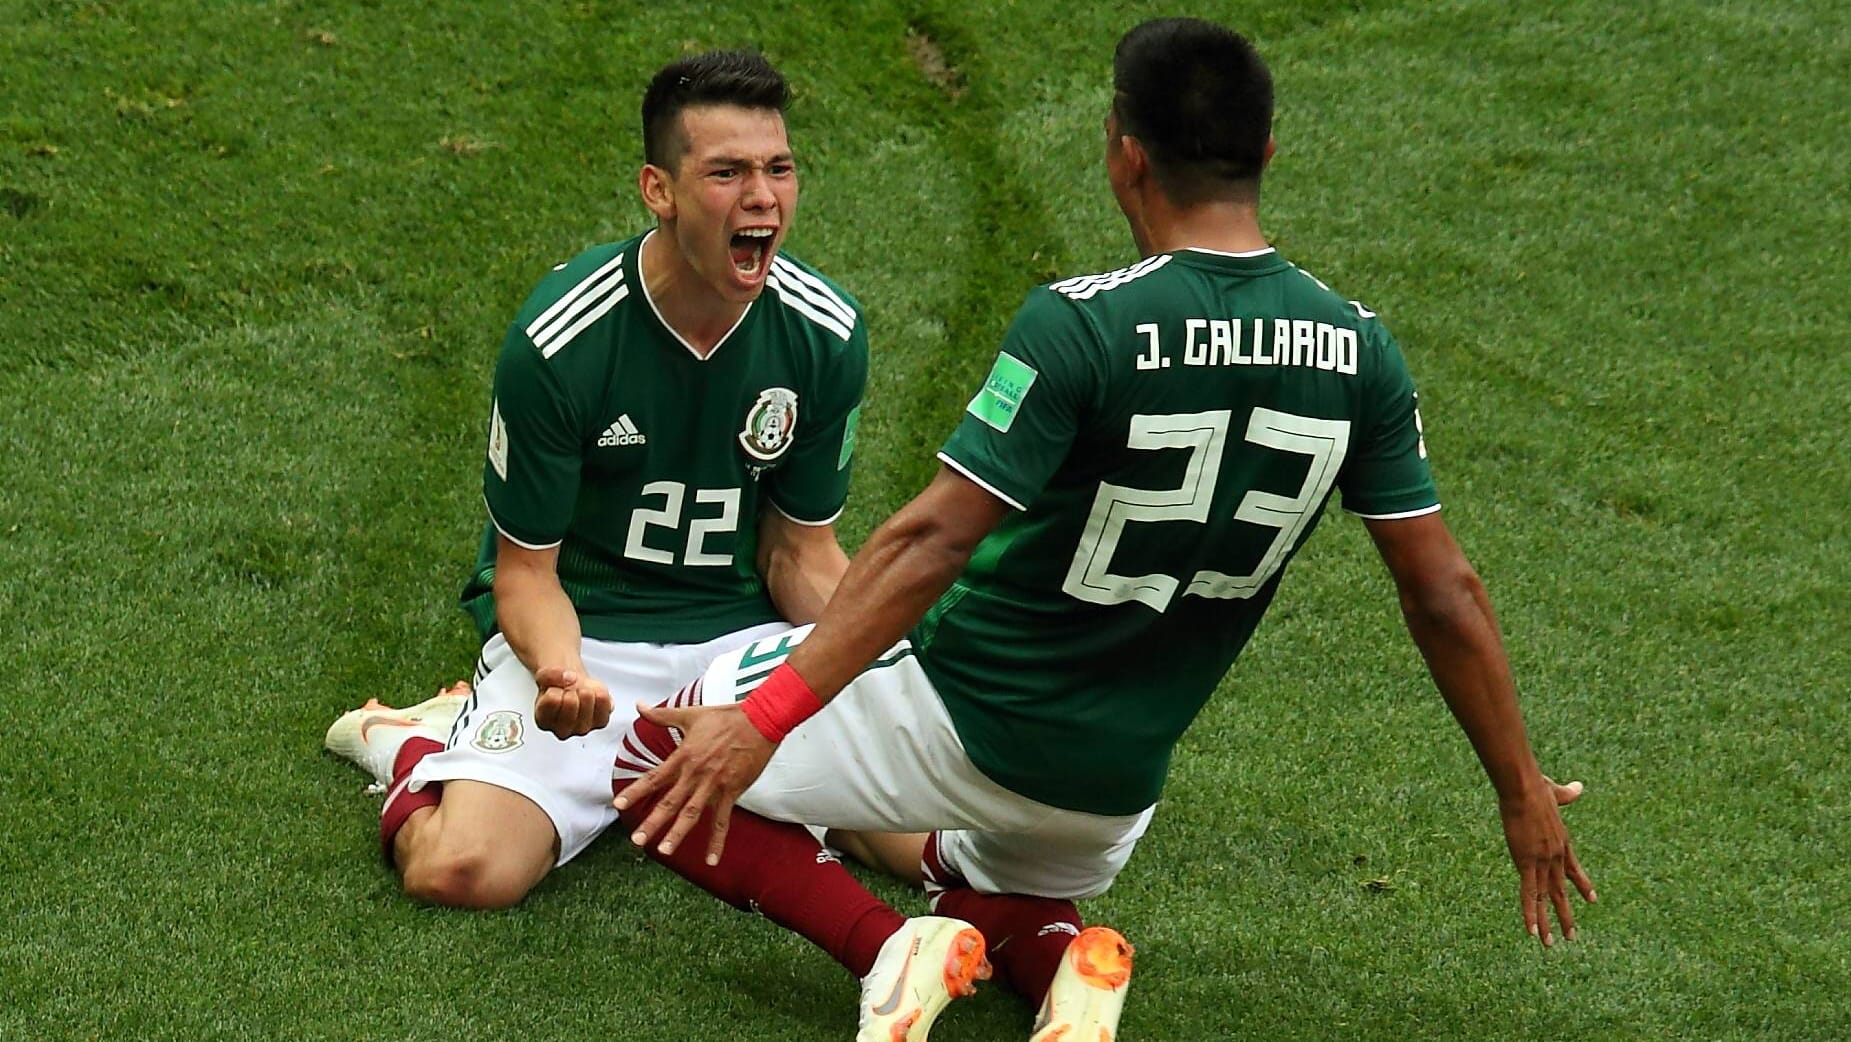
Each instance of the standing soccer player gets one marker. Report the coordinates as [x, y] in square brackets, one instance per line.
[1112, 519]
[668, 448]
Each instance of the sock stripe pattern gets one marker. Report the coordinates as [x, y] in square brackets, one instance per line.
[775, 869]
[938, 878]
[646, 745]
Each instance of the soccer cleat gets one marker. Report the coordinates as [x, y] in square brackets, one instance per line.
[372, 735]
[1088, 992]
[929, 962]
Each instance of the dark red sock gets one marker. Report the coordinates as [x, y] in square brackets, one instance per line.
[401, 801]
[1027, 936]
[781, 872]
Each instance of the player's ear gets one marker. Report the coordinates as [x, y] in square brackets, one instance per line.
[1137, 161]
[657, 188]
[1267, 158]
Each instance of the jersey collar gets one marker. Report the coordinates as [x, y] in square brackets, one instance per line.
[1250, 262]
[643, 282]
[1223, 253]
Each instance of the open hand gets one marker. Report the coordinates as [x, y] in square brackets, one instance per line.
[1545, 859]
[570, 703]
[721, 754]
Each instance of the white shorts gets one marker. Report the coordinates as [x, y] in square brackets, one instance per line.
[883, 756]
[495, 740]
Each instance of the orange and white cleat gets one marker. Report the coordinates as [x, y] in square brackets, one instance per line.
[920, 969]
[372, 735]
[1088, 992]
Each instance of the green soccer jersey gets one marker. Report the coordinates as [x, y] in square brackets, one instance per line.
[646, 464]
[1169, 434]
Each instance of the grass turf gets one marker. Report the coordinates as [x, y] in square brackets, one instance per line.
[254, 262]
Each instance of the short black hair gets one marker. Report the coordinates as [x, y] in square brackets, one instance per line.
[1200, 100]
[742, 78]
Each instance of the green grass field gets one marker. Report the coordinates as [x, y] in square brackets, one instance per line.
[255, 261]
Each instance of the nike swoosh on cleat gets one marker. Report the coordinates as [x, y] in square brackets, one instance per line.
[892, 1002]
[382, 721]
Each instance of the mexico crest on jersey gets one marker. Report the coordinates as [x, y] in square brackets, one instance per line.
[770, 424]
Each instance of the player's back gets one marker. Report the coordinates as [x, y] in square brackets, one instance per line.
[1172, 432]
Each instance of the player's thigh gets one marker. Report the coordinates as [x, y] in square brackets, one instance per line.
[881, 756]
[1068, 854]
[495, 743]
[643, 672]
[898, 854]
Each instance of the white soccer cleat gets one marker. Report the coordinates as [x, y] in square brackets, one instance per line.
[372, 735]
[929, 962]
[1088, 992]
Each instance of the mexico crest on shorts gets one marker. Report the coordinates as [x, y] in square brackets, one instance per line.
[499, 733]
[770, 424]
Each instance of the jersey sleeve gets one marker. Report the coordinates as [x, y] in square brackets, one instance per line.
[530, 480]
[1023, 420]
[1386, 474]
[812, 485]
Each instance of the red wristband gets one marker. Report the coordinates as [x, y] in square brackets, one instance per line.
[779, 704]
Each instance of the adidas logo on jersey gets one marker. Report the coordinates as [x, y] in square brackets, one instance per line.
[622, 432]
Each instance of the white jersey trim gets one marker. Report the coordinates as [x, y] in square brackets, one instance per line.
[987, 487]
[788, 294]
[815, 290]
[517, 542]
[614, 266]
[1394, 517]
[672, 331]
[585, 318]
[805, 294]
[583, 304]
[795, 520]
[1225, 253]
[1084, 287]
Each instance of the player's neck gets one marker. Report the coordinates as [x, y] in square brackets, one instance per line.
[1228, 227]
[687, 304]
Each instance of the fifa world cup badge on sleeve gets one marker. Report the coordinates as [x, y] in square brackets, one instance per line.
[1002, 393]
[498, 442]
[848, 437]
[770, 424]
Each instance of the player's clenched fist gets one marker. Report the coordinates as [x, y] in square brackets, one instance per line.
[570, 703]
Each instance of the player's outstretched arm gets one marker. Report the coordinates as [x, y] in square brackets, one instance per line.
[905, 566]
[538, 619]
[1449, 616]
[802, 564]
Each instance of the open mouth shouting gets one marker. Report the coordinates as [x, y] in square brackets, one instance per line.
[751, 252]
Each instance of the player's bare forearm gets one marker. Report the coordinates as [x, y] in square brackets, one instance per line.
[1452, 623]
[1449, 616]
[801, 564]
[542, 627]
[902, 570]
[536, 616]
[896, 577]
